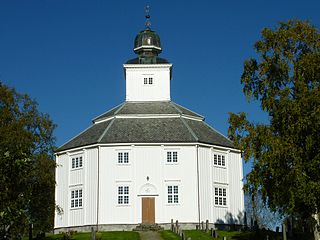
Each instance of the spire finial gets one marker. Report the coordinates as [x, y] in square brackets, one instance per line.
[147, 10]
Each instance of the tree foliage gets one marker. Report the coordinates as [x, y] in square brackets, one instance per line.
[284, 78]
[26, 165]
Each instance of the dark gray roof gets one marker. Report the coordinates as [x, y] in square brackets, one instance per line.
[148, 130]
[147, 108]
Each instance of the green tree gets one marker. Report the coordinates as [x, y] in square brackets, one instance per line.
[284, 78]
[26, 165]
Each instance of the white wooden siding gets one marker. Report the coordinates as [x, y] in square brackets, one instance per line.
[205, 183]
[136, 90]
[236, 198]
[90, 186]
[147, 161]
[61, 196]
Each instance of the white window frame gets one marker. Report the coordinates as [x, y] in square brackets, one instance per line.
[76, 162]
[173, 194]
[76, 198]
[123, 195]
[123, 157]
[172, 156]
[220, 196]
[219, 160]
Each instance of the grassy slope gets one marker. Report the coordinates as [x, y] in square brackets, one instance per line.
[168, 235]
[199, 235]
[105, 236]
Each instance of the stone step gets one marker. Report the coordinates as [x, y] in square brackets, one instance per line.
[148, 227]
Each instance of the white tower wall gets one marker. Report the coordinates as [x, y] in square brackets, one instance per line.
[156, 90]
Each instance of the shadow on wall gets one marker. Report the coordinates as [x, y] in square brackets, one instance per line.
[231, 222]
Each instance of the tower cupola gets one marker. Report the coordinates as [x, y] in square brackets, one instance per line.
[147, 43]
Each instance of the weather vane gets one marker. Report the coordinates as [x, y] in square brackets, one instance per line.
[147, 10]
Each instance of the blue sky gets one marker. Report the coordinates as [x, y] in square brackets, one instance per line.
[68, 55]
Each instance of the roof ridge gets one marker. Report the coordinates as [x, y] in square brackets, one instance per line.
[189, 129]
[116, 112]
[106, 130]
[171, 103]
[178, 105]
[119, 105]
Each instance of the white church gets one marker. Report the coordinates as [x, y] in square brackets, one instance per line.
[147, 160]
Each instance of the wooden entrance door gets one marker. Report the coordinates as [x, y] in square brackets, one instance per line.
[148, 213]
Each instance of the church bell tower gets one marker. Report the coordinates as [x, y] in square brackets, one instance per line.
[147, 76]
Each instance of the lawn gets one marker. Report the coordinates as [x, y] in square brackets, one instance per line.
[117, 235]
[168, 235]
[199, 235]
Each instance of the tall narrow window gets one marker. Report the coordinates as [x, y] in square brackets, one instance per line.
[173, 194]
[145, 80]
[220, 196]
[76, 162]
[150, 80]
[76, 198]
[172, 157]
[123, 195]
[123, 157]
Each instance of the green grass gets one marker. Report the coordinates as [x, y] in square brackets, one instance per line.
[235, 235]
[168, 235]
[199, 235]
[116, 235]
[120, 235]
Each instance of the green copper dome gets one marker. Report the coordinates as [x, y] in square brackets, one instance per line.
[147, 42]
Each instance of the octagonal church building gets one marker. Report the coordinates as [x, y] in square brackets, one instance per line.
[147, 160]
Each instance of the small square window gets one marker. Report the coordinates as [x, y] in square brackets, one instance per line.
[76, 162]
[219, 160]
[172, 157]
[123, 157]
